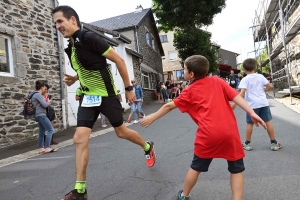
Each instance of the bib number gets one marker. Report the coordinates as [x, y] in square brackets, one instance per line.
[232, 82]
[91, 101]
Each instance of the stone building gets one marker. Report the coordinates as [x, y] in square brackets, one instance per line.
[269, 30]
[140, 27]
[28, 52]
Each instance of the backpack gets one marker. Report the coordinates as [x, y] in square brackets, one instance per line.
[50, 113]
[29, 109]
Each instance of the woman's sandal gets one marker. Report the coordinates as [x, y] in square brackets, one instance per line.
[51, 151]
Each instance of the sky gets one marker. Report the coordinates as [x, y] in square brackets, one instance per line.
[230, 28]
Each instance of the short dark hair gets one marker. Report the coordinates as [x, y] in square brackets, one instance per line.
[39, 85]
[197, 64]
[250, 64]
[47, 86]
[68, 12]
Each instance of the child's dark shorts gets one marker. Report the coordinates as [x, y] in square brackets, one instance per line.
[202, 165]
[264, 113]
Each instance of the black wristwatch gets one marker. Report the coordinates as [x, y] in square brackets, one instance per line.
[129, 88]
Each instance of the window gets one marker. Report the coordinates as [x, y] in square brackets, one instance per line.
[148, 38]
[172, 56]
[6, 64]
[145, 80]
[163, 38]
[225, 62]
[153, 42]
[180, 74]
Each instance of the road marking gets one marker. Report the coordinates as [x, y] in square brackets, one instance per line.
[50, 158]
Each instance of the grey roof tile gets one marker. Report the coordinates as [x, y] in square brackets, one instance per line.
[122, 21]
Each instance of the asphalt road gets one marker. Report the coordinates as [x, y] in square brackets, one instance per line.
[117, 169]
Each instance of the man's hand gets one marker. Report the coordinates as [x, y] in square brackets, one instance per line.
[147, 121]
[257, 120]
[70, 80]
[130, 95]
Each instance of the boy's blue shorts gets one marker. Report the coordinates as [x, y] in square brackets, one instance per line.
[264, 113]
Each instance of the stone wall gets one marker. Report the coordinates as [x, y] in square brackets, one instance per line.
[279, 64]
[293, 52]
[29, 24]
[152, 57]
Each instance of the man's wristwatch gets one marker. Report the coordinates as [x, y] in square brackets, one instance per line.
[129, 88]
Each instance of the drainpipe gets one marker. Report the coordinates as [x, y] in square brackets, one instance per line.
[138, 50]
[63, 101]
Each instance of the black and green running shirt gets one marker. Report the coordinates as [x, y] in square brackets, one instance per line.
[97, 82]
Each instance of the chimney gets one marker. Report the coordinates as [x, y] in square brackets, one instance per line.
[138, 8]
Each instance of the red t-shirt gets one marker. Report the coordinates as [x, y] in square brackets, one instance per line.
[207, 102]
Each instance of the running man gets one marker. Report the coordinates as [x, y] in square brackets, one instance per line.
[88, 59]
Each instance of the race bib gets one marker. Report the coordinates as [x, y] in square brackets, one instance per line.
[232, 82]
[91, 101]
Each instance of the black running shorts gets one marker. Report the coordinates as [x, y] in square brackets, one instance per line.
[110, 107]
[202, 165]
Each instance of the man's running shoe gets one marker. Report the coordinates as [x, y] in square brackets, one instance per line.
[275, 147]
[150, 155]
[74, 195]
[247, 147]
[179, 197]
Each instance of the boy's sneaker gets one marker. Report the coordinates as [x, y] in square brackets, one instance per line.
[275, 147]
[247, 147]
[150, 155]
[104, 125]
[179, 197]
[135, 121]
[74, 195]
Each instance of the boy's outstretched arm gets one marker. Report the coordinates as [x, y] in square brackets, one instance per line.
[242, 94]
[244, 105]
[269, 86]
[147, 121]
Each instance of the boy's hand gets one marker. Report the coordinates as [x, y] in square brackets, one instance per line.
[257, 120]
[147, 121]
[233, 106]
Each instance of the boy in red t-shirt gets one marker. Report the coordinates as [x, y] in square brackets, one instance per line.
[206, 100]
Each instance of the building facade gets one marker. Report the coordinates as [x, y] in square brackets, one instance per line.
[172, 67]
[140, 27]
[277, 25]
[28, 52]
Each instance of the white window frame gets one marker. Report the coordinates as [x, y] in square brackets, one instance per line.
[152, 42]
[145, 74]
[172, 53]
[163, 38]
[148, 40]
[10, 57]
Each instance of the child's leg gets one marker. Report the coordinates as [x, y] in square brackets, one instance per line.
[270, 130]
[129, 117]
[190, 180]
[237, 186]
[249, 130]
[236, 169]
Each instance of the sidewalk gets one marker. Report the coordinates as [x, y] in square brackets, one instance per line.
[64, 137]
[291, 103]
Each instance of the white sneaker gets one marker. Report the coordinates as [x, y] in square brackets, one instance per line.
[275, 147]
[247, 147]
[135, 121]
[144, 116]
